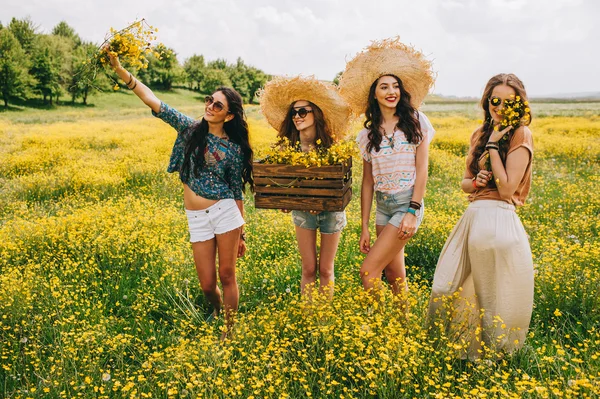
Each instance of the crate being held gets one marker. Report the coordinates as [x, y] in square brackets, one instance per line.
[292, 187]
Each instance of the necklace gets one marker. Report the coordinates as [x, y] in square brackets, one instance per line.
[389, 138]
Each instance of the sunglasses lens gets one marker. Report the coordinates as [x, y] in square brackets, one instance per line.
[208, 100]
[301, 112]
[217, 106]
[495, 101]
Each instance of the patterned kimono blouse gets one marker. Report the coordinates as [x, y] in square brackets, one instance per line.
[221, 176]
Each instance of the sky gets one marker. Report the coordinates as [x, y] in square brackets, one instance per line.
[551, 45]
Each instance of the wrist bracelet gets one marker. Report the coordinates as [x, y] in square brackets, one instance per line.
[492, 143]
[414, 205]
[134, 86]
[243, 236]
[412, 211]
[130, 79]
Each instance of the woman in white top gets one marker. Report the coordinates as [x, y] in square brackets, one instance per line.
[395, 148]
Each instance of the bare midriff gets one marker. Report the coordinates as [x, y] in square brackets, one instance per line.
[193, 201]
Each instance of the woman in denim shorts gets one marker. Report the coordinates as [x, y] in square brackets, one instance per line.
[394, 146]
[309, 114]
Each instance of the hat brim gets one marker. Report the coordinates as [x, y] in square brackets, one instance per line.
[386, 57]
[279, 93]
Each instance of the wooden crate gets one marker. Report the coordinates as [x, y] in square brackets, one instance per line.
[324, 188]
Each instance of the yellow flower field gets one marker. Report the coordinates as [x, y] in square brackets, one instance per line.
[99, 297]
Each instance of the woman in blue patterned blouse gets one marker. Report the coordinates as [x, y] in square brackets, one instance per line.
[214, 160]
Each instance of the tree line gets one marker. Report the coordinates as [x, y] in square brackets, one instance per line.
[52, 66]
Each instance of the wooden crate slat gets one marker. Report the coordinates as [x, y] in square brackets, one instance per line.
[297, 182]
[306, 191]
[278, 170]
[303, 203]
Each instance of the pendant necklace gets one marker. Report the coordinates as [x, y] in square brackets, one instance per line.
[390, 139]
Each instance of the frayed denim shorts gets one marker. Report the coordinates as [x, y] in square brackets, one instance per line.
[219, 218]
[327, 222]
[391, 208]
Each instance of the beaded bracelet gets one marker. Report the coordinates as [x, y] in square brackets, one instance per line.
[414, 205]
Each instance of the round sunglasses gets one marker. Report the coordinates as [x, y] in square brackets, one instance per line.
[217, 106]
[301, 112]
[496, 101]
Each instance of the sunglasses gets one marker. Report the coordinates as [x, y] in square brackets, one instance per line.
[301, 112]
[217, 106]
[496, 101]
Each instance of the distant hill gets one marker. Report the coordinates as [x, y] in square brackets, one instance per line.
[576, 97]
[572, 96]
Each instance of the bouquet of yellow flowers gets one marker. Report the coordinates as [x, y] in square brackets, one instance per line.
[287, 154]
[132, 45]
[514, 113]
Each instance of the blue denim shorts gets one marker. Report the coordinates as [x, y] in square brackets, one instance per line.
[391, 208]
[327, 222]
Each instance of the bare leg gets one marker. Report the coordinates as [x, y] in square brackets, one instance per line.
[307, 245]
[205, 260]
[329, 246]
[383, 252]
[227, 245]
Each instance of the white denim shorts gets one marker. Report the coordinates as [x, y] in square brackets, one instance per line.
[218, 218]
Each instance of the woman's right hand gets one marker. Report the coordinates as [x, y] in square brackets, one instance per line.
[482, 178]
[114, 59]
[365, 241]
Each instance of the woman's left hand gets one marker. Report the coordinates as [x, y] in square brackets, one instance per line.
[497, 135]
[241, 248]
[408, 226]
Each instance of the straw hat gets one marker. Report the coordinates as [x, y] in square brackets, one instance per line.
[279, 93]
[388, 56]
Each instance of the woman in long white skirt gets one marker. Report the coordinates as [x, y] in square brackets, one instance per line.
[482, 290]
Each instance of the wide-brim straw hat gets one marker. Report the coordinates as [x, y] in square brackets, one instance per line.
[385, 57]
[279, 93]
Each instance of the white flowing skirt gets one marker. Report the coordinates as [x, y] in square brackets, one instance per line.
[483, 284]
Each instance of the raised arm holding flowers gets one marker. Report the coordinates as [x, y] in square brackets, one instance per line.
[213, 158]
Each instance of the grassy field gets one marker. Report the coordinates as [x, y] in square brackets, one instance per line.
[99, 297]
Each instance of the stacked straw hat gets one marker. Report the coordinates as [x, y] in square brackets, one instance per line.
[279, 93]
[386, 57]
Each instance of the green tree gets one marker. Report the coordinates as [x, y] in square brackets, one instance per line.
[164, 71]
[25, 31]
[84, 81]
[247, 79]
[214, 78]
[194, 68]
[14, 79]
[219, 63]
[336, 80]
[51, 63]
[63, 29]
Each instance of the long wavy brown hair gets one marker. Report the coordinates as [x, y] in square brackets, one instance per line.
[487, 128]
[288, 128]
[408, 121]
